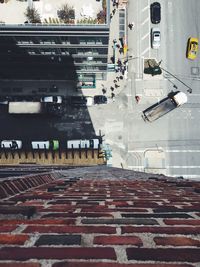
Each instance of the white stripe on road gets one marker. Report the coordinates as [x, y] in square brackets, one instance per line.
[145, 21]
[145, 36]
[182, 167]
[184, 151]
[146, 50]
[168, 151]
[167, 167]
[145, 8]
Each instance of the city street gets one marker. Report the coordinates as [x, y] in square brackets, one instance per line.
[173, 139]
[169, 145]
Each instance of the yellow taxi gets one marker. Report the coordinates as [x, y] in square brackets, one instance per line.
[192, 48]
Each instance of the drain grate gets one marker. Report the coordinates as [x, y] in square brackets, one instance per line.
[195, 70]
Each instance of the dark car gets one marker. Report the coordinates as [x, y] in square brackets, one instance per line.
[78, 101]
[155, 13]
[100, 99]
[82, 101]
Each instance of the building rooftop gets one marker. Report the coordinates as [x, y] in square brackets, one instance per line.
[101, 217]
[83, 12]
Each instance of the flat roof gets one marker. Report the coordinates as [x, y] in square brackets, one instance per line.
[85, 12]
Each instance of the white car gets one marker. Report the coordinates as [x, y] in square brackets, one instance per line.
[52, 99]
[91, 143]
[155, 38]
[90, 101]
[11, 144]
[53, 144]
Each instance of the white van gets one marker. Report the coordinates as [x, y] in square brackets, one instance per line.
[11, 144]
[53, 144]
[91, 143]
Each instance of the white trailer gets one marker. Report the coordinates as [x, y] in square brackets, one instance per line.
[24, 107]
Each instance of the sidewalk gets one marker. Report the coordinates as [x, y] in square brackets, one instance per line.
[113, 53]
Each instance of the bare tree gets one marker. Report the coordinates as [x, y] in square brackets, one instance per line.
[32, 15]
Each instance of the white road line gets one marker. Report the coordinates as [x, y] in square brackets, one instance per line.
[184, 151]
[136, 151]
[182, 167]
[146, 50]
[145, 8]
[145, 36]
[145, 21]
[168, 151]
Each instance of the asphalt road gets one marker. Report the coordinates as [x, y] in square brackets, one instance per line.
[74, 124]
[173, 141]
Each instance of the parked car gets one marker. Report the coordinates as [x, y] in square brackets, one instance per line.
[155, 38]
[82, 101]
[100, 99]
[192, 48]
[155, 10]
[53, 144]
[11, 144]
[90, 143]
[51, 99]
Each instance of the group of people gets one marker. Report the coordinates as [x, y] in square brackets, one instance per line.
[121, 67]
[115, 4]
[116, 45]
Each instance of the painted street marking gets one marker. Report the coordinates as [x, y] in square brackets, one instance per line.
[145, 36]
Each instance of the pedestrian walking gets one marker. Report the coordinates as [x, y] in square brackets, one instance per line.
[112, 95]
[121, 50]
[113, 12]
[130, 25]
[116, 86]
[118, 46]
[104, 90]
[112, 88]
[121, 77]
[119, 62]
[114, 41]
[114, 81]
[137, 99]
[112, 59]
[117, 78]
[111, 15]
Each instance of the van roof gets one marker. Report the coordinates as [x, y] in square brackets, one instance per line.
[40, 144]
[180, 98]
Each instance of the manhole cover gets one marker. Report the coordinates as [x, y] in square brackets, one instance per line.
[195, 70]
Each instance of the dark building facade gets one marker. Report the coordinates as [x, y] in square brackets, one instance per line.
[77, 52]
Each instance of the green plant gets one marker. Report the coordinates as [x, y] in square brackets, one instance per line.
[104, 6]
[101, 16]
[66, 13]
[32, 15]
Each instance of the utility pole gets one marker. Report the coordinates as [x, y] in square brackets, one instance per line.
[189, 88]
